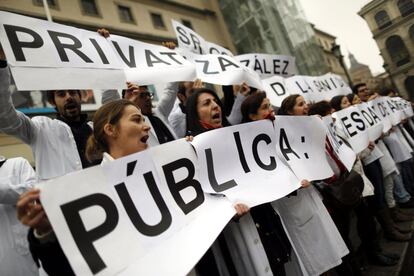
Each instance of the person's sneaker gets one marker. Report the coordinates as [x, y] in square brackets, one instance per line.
[395, 235]
[398, 216]
[382, 260]
[402, 229]
[391, 255]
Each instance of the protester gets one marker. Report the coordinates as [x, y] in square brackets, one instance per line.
[374, 171]
[62, 139]
[16, 176]
[204, 113]
[305, 218]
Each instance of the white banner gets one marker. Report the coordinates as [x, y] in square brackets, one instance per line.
[188, 39]
[224, 70]
[235, 160]
[269, 65]
[351, 123]
[144, 63]
[342, 151]
[301, 142]
[372, 121]
[381, 109]
[275, 89]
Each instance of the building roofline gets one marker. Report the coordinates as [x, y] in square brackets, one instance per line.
[323, 32]
[369, 6]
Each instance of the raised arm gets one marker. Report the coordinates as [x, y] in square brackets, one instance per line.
[12, 121]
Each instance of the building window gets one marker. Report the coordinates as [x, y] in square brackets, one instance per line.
[157, 21]
[397, 50]
[406, 7]
[187, 23]
[50, 3]
[89, 7]
[382, 19]
[125, 14]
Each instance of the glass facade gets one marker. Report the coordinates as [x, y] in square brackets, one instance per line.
[274, 27]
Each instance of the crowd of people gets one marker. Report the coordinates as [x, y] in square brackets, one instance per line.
[304, 233]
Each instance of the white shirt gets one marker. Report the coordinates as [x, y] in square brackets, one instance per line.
[16, 176]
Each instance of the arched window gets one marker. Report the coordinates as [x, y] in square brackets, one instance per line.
[397, 50]
[406, 7]
[411, 32]
[382, 19]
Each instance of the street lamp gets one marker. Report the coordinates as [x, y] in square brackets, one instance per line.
[336, 50]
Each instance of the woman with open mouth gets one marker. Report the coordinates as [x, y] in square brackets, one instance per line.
[119, 130]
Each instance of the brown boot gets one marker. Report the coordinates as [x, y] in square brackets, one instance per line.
[387, 224]
[399, 217]
[402, 229]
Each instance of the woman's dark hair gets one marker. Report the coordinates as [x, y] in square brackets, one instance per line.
[321, 108]
[109, 113]
[351, 97]
[193, 121]
[336, 102]
[228, 99]
[50, 95]
[288, 104]
[251, 105]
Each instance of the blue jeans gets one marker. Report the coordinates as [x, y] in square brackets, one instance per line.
[400, 193]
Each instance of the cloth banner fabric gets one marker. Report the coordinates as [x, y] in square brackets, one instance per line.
[342, 151]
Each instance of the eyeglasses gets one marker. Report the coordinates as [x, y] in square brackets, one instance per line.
[143, 95]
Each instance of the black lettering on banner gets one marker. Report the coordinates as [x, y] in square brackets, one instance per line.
[264, 66]
[274, 86]
[285, 72]
[17, 45]
[284, 145]
[374, 115]
[245, 62]
[212, 176]
[318, 85]
[391, 106]
[301, 89]
[171, 56]
[368, 118]
[326, 85]
[383, 110]
[175, 187]
[257, 66]
[276, 66]
[263, 137]
[356, 117]
[99, 51]
[348, 126]
[183, 35]
[206, 66]
[151, 58]
[224, 62]
[242, 157]
[74, 47]
[213, 50]
[134, 215]
[128, 61]
[83, 238]
[333, 82]
[196, 43]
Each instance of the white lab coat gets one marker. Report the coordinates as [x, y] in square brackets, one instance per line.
[311, 231]
[16, 176]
